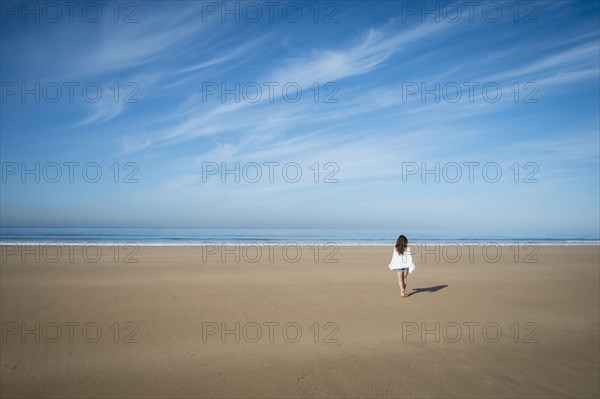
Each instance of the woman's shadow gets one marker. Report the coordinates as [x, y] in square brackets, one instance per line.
[427, 289]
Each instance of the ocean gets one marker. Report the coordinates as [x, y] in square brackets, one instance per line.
[199, 236]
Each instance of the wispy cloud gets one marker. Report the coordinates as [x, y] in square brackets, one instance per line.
[363, 56]
[580, 57]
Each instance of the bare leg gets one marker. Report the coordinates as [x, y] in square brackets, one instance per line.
[404, 280]
[401, 283]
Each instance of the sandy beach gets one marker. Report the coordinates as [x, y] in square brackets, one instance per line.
[323, 322]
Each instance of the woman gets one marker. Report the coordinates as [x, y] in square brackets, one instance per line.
[402, 263]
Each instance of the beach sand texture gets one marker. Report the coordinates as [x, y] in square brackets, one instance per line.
[305, 329]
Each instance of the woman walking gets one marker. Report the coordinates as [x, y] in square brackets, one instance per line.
[402, 263]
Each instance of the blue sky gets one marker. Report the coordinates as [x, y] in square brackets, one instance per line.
[366, 127]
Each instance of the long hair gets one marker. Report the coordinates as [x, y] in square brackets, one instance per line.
[401, 244]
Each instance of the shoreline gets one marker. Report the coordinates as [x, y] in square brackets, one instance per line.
[304, 244]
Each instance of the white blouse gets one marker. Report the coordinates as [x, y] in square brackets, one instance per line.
[401, 261]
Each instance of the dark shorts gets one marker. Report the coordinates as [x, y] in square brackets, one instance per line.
[404, 269]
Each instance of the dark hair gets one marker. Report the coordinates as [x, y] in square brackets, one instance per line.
[401, 244]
